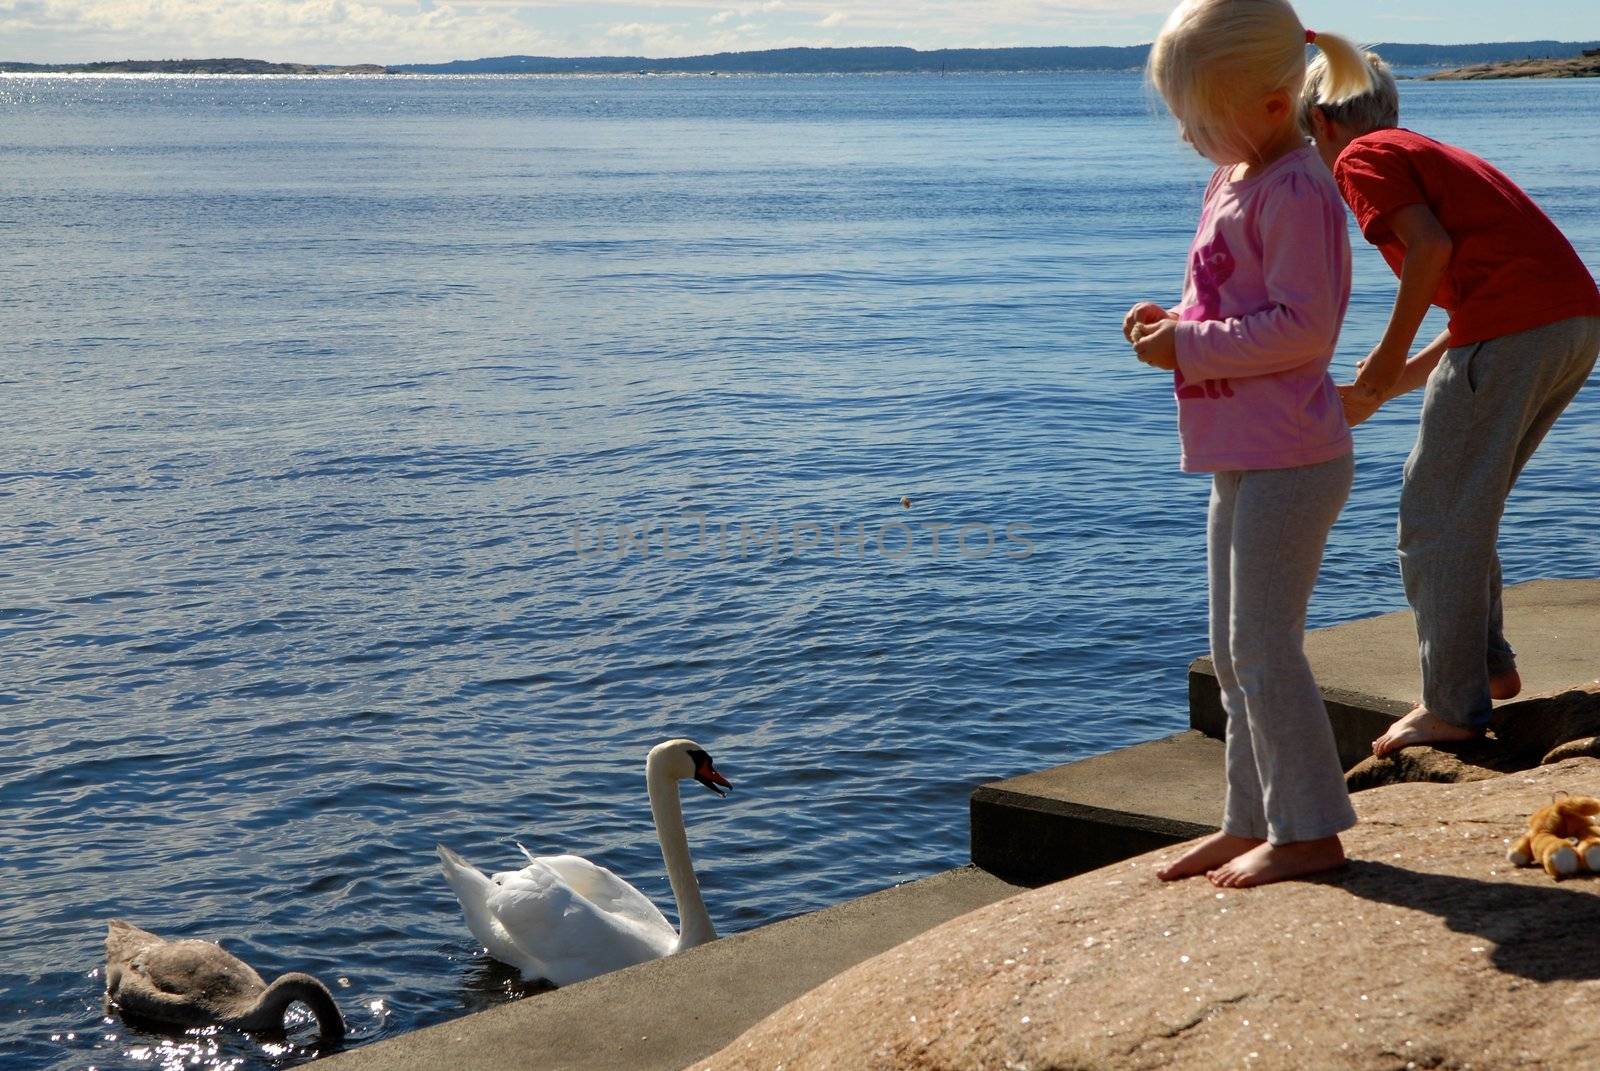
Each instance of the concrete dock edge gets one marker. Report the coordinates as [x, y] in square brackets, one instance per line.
[666, 1014]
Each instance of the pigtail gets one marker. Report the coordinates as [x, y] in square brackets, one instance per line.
[1346, 74]
[1211, 54]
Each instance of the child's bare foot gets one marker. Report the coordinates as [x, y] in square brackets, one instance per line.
[1208, 854]
[1420, 727]
[1505, 685]
[1267, 863]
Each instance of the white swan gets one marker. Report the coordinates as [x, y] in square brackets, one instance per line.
[562, 918]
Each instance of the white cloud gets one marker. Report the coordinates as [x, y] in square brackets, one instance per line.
[394, 31]
[398, 31]
[331, 31]
[666, 39]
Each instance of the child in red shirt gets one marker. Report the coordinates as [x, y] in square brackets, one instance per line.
[1523, 336]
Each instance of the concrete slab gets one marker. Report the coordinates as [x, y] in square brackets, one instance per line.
[1045, 826]
[1368, 669]
[665, 1015]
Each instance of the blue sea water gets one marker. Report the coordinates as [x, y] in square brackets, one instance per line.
[325, 400]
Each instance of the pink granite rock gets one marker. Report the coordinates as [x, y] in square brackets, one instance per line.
[1428, 951]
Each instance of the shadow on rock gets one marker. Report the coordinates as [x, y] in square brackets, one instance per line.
[1546, 728]
[1532, 927]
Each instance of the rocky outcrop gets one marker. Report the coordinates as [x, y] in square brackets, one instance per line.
[1584, 747]
[1475, 762]
[1535, 731]
[1429, 950]
[1584, 66]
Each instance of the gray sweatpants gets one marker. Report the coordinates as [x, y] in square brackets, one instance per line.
[1487, 408]
[1265, 539]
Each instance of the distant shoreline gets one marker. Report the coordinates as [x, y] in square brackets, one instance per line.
[1512, 56]
[204, 66]
[1585, 66]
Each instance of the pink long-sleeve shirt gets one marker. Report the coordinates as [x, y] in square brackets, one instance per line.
[1265, 294]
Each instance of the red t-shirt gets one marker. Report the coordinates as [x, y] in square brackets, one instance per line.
[1511, 269]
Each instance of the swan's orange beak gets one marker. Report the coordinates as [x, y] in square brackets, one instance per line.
[707, 775]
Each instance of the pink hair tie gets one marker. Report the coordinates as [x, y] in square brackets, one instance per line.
[1311, 37]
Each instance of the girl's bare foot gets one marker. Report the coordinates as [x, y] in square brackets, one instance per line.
[1267, 863]
[1421, 727]
[1505, 685]
[1207, 854]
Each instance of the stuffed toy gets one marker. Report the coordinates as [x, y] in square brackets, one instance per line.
[1561, 838]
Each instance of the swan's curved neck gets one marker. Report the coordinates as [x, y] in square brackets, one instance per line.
[288, 988]
[694, 924]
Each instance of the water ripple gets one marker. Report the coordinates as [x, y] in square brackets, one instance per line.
[394, 462]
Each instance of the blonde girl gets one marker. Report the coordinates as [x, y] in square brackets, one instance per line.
[1249, 347]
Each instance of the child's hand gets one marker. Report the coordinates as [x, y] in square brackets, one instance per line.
[1357, 407]
[1377, 375]
[1146, 312]
[1156, 344]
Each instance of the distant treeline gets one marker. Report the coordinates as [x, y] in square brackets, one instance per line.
[886, 60]
[190, 66]
[811, 61]
[807, 61]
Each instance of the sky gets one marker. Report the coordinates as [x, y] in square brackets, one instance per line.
[381, 31]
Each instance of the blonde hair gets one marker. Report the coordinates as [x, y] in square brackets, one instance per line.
[1376, 109]
[1213, 54]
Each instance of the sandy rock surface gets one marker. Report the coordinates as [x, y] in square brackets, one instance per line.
[1428, 951]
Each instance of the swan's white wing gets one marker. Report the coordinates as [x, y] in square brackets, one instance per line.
[601, 887]
[474, 890]
[565, 933]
